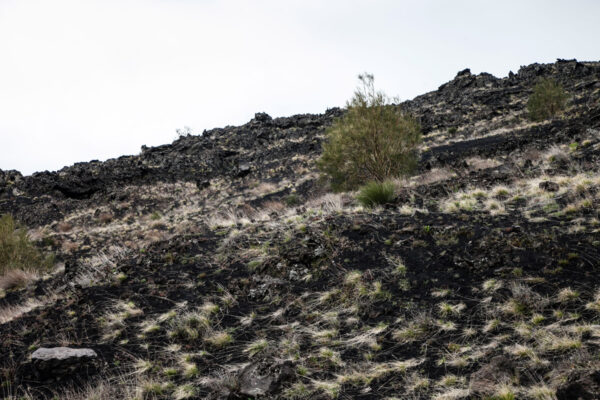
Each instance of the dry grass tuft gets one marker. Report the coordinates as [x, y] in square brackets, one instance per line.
[9, 313]
[434, 175]
[16, 278]
[64, 227]
[478, 163]
[329, 203]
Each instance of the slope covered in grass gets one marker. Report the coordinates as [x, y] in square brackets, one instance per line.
[221, 267]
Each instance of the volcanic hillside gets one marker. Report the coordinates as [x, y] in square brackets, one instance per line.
[221, 267]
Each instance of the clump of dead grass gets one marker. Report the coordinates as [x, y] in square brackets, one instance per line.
[16, 278]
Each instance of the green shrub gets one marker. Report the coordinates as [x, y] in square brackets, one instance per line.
[374, 193]
[547, 100]
[16, 251]
[374, 140]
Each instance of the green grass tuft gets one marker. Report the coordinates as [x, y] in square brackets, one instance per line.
[376, 193]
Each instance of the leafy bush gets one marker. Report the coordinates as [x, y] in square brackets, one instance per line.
[374, 140]
[547, 100]
[374, 193]
[16, 251]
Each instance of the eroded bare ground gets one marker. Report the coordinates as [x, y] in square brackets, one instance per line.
[199, 269]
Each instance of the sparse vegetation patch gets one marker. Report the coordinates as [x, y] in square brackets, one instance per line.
[376, 193]
[547, 100]
[221, 267]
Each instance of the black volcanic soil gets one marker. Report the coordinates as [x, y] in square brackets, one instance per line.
[474, 260]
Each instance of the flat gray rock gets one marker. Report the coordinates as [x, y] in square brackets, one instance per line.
[55, 363]
[61, 353]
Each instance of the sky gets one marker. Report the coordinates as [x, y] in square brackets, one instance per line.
[86, 79]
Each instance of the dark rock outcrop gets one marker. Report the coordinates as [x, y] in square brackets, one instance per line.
[549, 186]
[580, 386]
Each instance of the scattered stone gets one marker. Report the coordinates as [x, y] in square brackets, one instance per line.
[263, 286]
[259, 379]
[297, 272]
[243, 170]
[262, 117]
[202, 184]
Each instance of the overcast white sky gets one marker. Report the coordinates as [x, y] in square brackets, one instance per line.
[82, 80]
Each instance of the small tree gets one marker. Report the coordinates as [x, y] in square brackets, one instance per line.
[373, 141]
[547, 100]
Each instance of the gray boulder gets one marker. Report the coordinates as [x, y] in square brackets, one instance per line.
[55, 362]
[45, 354]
